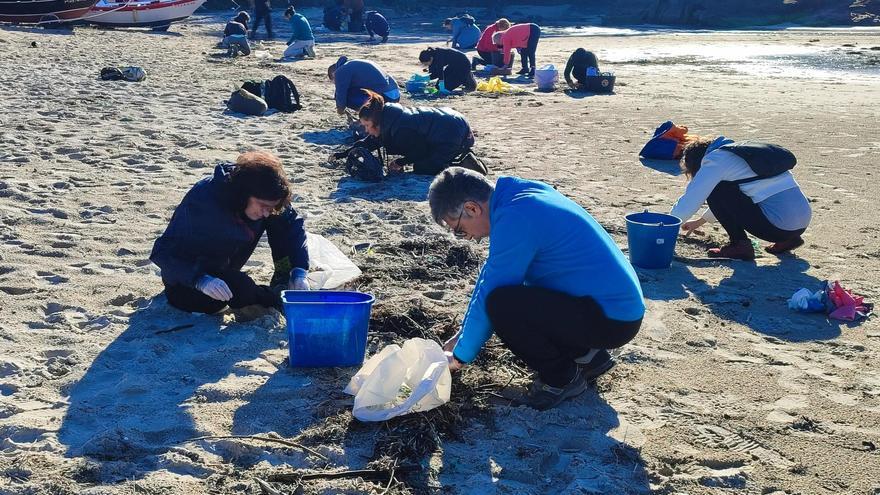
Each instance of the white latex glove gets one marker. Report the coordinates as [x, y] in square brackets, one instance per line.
[298, 280]
[214, 288]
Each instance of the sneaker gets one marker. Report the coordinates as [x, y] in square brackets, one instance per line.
[542, 396]
[739, 250]
[785, 246]
[310, 51]
[531, 74]
[523, 71]
[599, 364]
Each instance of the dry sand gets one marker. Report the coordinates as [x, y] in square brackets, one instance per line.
[724, 391]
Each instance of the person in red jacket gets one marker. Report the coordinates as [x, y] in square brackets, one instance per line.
[490, 53]
[523, 37]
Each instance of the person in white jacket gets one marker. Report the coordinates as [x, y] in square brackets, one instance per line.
[770, 206]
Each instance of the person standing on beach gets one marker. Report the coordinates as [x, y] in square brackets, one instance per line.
[465, 32]
[427, 138]
[451, 67]
[523, 37]
[352, 77]
[376, 24]
[749, 188]
[302, 41]
[490, 53]
[581, 63]
[262, 12]
[355, 10]
[215, 230]
[555, 288]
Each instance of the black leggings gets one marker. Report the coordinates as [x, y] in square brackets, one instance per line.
[738, 214]
[455, 75]
[549, 329]
[265, 16]
[528, 53]
[245, 292]
[450, 152]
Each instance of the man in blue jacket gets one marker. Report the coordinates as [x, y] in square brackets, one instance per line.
[555, 288]
[351, 77]
[216, 228]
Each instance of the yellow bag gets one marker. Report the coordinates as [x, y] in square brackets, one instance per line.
[494, 85]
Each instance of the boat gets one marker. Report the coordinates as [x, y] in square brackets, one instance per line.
[156, 14]
[43, 11]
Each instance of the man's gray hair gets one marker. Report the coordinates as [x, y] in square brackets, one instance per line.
[452, 188]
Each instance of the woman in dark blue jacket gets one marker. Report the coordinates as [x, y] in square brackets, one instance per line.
[216, 228]
[429, 139]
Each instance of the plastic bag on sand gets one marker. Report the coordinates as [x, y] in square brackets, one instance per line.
[329, 268]
[494, 85]
[401, 380]
[546, 77]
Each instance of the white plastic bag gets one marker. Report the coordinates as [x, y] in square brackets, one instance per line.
[329, 268]
[546, 77]
[401, 380]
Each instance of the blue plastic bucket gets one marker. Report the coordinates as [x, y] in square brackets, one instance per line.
[326, 328]
[651, 238]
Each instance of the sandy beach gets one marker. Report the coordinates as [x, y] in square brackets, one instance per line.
[106, 389]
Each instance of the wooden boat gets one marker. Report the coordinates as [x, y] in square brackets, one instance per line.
[156, 14]
[43, 11]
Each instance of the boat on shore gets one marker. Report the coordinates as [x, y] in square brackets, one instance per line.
[43, 11]
[155, 14]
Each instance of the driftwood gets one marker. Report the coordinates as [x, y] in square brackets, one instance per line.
[262, 439]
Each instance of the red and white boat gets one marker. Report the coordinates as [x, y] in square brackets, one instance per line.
[156, 14]
[43, 11]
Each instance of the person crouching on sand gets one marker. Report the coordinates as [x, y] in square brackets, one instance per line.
[302, 41]
[216, 228]
[555, 288]
[235, 35]
[523, 37]
[428, 138]
[769, 205]
[581, 63]
[451, 67]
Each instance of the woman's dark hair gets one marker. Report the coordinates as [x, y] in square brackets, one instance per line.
[289, 12]
[243, 17]
[258, 174]
[692, 155]
[372, 109]
[426, 55]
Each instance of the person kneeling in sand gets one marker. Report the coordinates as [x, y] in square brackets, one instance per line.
[722, 174]
[235, 35]
[352, 77]
[581, 63]
[302, 40]
[216, 228]
[555, 288]
[429, 138]
[451, 67]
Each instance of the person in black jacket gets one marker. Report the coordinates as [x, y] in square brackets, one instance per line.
[262, 12]
[450, 66]
[579, 64]
[216, 228]
[428, 138]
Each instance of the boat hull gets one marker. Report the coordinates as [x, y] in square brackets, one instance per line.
[142, 14]
[35, 11]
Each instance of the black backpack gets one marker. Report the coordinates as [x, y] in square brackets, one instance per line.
[361, 164]
[765, 159]
[281, 94]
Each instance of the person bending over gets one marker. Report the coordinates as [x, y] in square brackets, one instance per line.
[488, 52]
[555, 287]
[235, 35]
[352, 77]
[376, 24]
[450, 66]
[216, 228]
[523, 37]
[581, 63]
[723, 174]
[428, 138]
[302, 41]
[465, 32]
